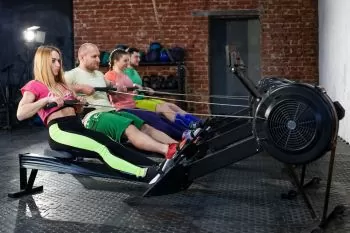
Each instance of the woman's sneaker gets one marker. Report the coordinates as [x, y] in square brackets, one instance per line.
[162, 168]
[151, 173]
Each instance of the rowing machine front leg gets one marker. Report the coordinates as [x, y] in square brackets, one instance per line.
[26, 186]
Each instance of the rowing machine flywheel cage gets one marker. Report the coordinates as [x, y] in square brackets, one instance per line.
[265, 86]
[295, 123]
[271, 83]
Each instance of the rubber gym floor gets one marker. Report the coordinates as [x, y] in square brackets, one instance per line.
[243, 197]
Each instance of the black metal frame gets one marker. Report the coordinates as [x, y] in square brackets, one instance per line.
[242, 144]
[226, 138]
[237, 68]
[37, 162]
[301, 186]
[180, 176]
[238, 139]
[189, 166]
[221, 125]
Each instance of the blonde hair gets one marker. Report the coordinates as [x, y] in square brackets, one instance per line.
[43, 71]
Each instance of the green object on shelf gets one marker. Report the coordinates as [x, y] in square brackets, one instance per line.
[104, 58]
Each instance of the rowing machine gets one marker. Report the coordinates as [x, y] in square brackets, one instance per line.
[293, 122]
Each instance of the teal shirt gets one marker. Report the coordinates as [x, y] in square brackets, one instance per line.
[133, 75]
[135, 78]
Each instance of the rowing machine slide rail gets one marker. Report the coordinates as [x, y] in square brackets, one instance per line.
[64, 162]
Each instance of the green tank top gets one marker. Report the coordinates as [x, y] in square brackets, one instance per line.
[135, 78]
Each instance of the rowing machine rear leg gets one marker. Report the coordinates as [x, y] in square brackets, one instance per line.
[292, 194]
[26, 186]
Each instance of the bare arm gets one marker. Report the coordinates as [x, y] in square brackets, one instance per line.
[71, 81]
[149, 91]
[79, 107]
[87, 89]
[83, 89]
[115, 85]
[28, 107]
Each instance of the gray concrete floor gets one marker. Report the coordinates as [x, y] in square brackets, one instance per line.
[244, 197]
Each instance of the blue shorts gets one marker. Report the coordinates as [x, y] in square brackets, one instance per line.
[157, 121]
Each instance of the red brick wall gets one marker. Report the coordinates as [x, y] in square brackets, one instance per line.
[288, 36]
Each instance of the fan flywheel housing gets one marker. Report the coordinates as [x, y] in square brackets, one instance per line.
[295, 123]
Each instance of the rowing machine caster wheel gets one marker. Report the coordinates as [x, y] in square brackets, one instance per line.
[292, 194]
[339, 210]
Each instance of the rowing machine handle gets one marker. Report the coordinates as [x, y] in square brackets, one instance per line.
[69, 103]
[237, 67]
[132, 88]
[50, 105]
[107, 89]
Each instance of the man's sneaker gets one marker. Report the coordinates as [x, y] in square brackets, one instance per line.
[171, 151]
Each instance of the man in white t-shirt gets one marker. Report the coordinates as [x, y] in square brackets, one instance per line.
[83, 79]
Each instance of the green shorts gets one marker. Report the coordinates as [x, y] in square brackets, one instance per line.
[113, 124]
[148, 104]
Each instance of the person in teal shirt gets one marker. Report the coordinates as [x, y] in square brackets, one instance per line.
[135, 78]
[133, 75]
[171, 111]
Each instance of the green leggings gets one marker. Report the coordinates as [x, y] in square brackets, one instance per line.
[69, 134]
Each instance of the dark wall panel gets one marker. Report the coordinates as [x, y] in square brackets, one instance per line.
[55, 18]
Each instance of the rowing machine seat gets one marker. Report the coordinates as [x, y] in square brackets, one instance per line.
[58, 154]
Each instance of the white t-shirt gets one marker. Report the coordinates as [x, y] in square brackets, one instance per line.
[78, 76]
